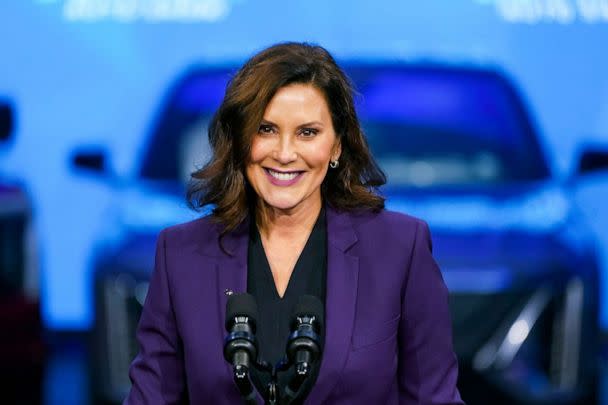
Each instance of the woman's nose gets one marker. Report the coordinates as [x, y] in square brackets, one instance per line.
[285, 150]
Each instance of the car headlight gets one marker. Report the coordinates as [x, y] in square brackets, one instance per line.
[150, 212]
[542, 211]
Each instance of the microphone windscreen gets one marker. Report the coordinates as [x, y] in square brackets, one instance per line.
[309, 305]
[241, 305]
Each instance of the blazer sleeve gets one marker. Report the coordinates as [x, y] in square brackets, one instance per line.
[157, 373]
[428, 369]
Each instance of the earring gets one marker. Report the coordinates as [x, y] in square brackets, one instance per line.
[334, 163]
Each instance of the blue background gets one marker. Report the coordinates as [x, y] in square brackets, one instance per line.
[94, 72]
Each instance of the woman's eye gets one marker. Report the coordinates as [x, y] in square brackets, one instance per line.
[309, 131]
[265, 129]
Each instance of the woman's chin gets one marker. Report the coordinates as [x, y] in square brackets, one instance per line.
[285, 203]
[292, 200]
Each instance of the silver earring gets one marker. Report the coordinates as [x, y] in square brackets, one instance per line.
[334, 163]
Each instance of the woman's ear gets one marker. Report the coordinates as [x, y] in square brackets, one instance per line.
[337, 151]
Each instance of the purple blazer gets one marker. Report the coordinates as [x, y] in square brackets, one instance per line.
[388, 337]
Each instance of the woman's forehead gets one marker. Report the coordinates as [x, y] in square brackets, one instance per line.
[297, 100]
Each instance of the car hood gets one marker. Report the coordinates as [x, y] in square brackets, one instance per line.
[538, 207]
[479, 233]
[535, 210]
[532, 207]
[494, 238]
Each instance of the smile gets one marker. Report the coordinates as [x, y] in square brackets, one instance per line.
[283, 178]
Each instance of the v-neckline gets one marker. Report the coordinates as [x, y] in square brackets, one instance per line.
[294, 271]
[297, 264]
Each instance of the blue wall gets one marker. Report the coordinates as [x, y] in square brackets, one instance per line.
[94, 71]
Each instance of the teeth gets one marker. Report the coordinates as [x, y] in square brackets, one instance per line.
[282, 176]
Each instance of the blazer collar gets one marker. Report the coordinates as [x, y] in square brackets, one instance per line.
[341, 291]
[340, 234]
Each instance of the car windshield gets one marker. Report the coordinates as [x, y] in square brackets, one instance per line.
[427, 127]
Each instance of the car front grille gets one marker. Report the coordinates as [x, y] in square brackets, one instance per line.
[475, 317]
[532, 345]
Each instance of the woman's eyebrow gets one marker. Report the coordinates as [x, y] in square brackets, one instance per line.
[306, 124]
[311, 124]
[267, 122]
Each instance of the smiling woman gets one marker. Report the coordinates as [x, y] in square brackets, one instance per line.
[280, 98]
[337, 299]
[292, 151]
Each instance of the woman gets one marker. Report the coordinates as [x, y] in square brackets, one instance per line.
[295, 212]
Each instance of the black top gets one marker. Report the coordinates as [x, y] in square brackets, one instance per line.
[274, 312]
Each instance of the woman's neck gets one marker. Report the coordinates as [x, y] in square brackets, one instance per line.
[273, 222]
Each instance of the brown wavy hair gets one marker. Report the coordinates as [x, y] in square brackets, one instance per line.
[222, 181]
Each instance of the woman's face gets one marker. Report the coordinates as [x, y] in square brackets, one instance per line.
[291, 152]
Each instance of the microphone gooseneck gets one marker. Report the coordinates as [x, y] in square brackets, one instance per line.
[240, 346]
[304, 344]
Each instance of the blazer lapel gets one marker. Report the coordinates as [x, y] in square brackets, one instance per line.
[231, 268]
[340, 302]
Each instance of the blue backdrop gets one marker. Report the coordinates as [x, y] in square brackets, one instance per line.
[94, 72]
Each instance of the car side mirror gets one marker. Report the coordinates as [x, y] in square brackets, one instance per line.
[592, 159]
[7, 121]
[90, 159]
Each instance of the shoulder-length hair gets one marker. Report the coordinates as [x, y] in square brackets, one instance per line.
[222, 181]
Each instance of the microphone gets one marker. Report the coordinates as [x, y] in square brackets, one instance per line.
[240, 346]
[304, 344]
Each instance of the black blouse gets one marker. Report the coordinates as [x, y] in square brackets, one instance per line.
[274, 312]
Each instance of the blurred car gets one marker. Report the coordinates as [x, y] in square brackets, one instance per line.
[22, 350]
[460, 151]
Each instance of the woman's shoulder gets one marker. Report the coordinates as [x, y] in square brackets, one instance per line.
[196, 231]
[388, 221]
[387, 230]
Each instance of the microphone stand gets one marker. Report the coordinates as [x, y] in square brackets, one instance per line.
[243, 382]
[303, 367]
[246, 388]
[302, 373]
[274, 383]
[273, 393]
[274, 396]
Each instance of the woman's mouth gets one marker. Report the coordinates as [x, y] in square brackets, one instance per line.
[281, 178]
